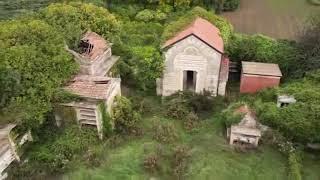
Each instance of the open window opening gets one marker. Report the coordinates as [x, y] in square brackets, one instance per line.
[85, 47]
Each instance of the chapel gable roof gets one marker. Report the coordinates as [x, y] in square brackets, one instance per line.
[203, 30]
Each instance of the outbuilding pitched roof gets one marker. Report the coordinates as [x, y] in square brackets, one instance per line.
[203, 30]
[257, 68]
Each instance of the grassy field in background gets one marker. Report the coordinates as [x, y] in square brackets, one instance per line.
[282, 19]
[12, 8]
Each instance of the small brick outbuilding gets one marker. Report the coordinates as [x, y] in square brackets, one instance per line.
[257, 76]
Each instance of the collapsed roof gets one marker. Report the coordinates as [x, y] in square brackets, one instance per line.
[92, 45]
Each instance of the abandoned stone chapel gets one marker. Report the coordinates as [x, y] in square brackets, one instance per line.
[195, 61]
[94, 84]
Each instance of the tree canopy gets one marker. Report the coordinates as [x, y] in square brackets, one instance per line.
[34, 53]
[74, 18]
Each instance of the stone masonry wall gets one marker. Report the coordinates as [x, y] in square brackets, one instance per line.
[194, 55]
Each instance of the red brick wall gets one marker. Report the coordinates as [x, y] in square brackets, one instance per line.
[254, 83]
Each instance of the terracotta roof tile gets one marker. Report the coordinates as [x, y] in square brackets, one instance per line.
[100, 45]
[203, 30]
[89, 86]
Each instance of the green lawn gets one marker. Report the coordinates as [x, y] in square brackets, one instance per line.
[211, 156]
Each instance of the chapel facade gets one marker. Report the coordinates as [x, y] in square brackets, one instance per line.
[195, 61]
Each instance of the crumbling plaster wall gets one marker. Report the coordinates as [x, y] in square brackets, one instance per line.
[194, 55]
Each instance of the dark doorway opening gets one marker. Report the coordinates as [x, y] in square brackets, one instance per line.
[189, 80]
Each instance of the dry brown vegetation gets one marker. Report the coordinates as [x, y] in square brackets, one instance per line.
[276, 18]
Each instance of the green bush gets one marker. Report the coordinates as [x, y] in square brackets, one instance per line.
[177, 109]
[151, 162]
[164, 133]
[191, 121]
[107, 122]
[314, 2]
[231, 116]
[261, 48]
[123, 115]
[180, 161]
[73, 19]
[56, 149]
[231, 5]
[33, 51]
[174, 27]
[293, 120]
[145, 15]
[181, 103]
[294, 167]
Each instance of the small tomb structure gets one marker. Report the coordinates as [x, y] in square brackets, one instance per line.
[247, 131]
[285, 100]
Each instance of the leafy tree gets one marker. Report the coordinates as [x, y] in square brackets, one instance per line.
[73, 19]
[149, 65]
[310, 43]
[265, 49]
[177, 4]
[123, 115]
[141, 61]
[33, 51]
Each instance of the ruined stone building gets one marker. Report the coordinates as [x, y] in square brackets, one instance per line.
[195, 61]
[10, 146]
[94, 83]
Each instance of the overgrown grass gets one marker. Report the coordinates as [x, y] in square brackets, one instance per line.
[211, 156]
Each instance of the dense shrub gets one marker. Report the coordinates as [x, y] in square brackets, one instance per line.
[148, 15]
[177, 109]
[145, 15]
[164, 133]
[180, 160]
[73, 19]
[173, 28]
[231, 116]
[294, 167]
[314, 2]
[181, 103]
[123, 115]
[231, 5]
[107, 122]
[33, 51]
[141, 60]
[191, 121]
[151, 162]
[261, 48]
[56, 149]
[293, 120]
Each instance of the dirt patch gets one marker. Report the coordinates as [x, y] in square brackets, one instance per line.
[276, 18]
